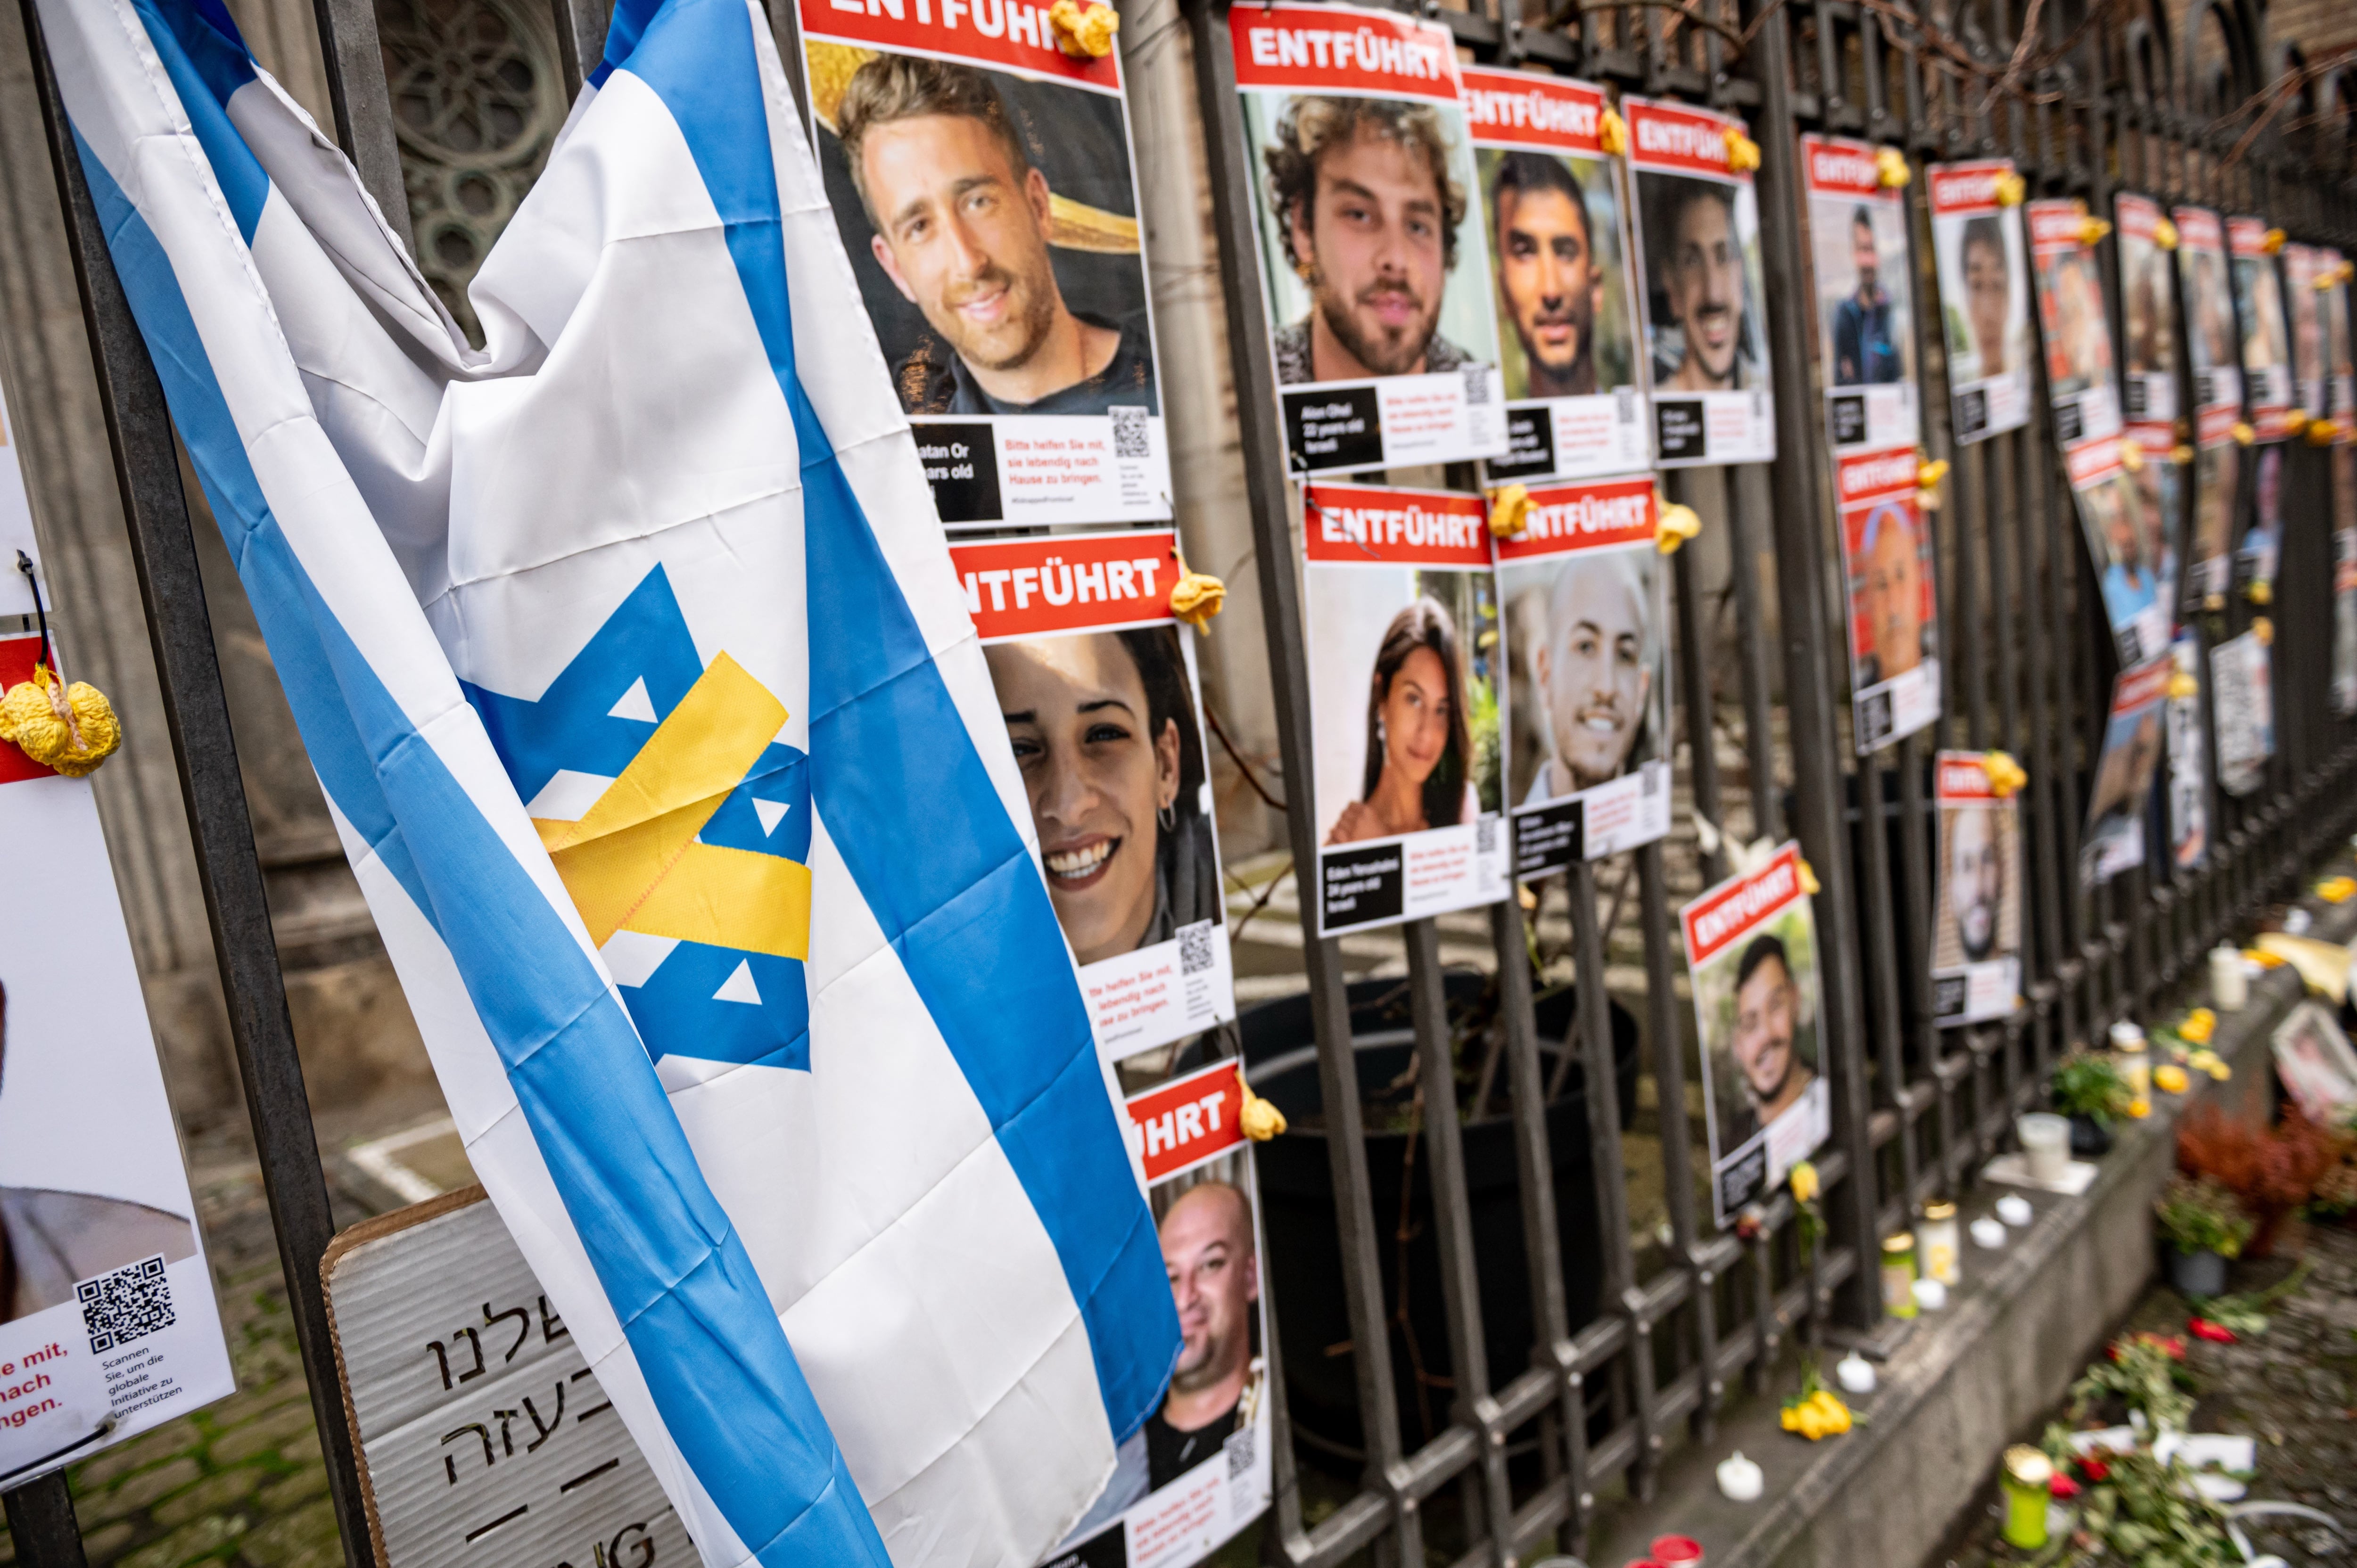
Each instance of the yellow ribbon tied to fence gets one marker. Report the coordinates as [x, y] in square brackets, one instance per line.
[2005, 775]
[72, 728]
[1929, 474]
[1260, 1120]
[2164, 233]
[1674, 527]
[1083, 32]
[1196, 596]
[2093, 229]
[1510, 509]
[2011, 188]
[1890, 170]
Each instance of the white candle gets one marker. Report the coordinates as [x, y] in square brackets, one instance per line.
[1855, 1373]
[1740, 1479]
[2015, 1210]
[1930, 1296]
[2230, 982]
[1988, 1233]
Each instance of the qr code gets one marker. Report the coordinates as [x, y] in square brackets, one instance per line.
[1240, 1447]
[1477, 385]
[1485, 833]
[1624, 404]
[1650, 778]
[1195, 948]
[1130, 438]
[129, 1304]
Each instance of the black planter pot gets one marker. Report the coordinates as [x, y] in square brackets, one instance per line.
[1304, 1261]
[2090, 1139]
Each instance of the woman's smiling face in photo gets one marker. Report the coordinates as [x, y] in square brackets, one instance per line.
[1416, 717]
[1097, 777]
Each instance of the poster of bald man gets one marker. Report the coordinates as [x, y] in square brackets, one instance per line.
[1583, 599]
[1983, 295]
[1751, 953]
[1199, 1470]
[1370, 236]
[1894, 630]
[981, 179]
[1702, 290]
[1865, 294]
[1977, 919]
[1551, 199]
[1097, 682]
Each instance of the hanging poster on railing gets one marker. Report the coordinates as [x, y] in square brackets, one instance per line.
[1984, 296]
[1751, 953]
[2079, 360]
[1201, 1467]
[2344, 579]
[1894, 609]
[982, 181]
[1097, 682]
[1551, 203]
[2341, 373]
[2304, 285]
[1865, 296]
[2262, 546]
[1371, 245]
[2127, 539]
[2189, 757]
[2148, 311]
[108, 1324]
[2242, 696]
[1398, 604]
[1976, 922]
[2267, 333]
[1583, 602]
[1701, 288]
[2114, 838]
[2204, 277]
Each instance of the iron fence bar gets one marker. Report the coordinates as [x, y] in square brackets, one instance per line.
[361, 100]
[41, 1525]
[1600, 1071]
[204, 750]
[1693, 669]
[581, 40]
[1747, 488]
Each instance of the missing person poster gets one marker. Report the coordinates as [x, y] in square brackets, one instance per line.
[1097, 682]
[2266, 332]
[1199, 1470]
[1583, 600]
[982, 180]
[2113, 840]
[2127, 538]
[1984, 296]
[2071, 314]
[2305, 281]
[1752, 951]
[2262, 548]
[1976, 927]
[2344, 579]
[2189, 757]
[2149, 310]
[1550, 204]
[1399, 603]
[108, 1323]
[1372, 243]
[1701, 292]
[1894, 627]
[2242, 696]
[2341, 373]
[1865, 299]
[2204, 278]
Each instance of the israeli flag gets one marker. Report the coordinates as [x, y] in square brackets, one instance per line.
[629, 656]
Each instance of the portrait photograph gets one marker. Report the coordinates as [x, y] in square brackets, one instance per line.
[1893, 605]
[2125, 516]
[1560, 268]
[2147, 311]
[2316, 1064]
[2267, 333]
[2078, 339]
[2205, 276]
[1589, 686]
[2217, 472]
[1756, 1006]
[1978, 916]
[1866, 309]
[1703, 286]
[2114, 838]
[1982, 268]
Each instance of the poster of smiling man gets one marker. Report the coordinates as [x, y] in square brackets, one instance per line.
[2266, 331]
[1977, 917]
[1552, 205]
[2205, 280]
[2305, 281]
[1371, 241]
[1584, 598]
[1865, 296]
[1097, 683]
[1752, 950]
[2070, 313]
[1701, 290]
[2124, 500]
[1984, 296]
[1894, 627]
[2148, 311]
[1400, 611]
[982, 180]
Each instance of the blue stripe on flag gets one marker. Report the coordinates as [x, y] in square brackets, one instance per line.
[696, 1315]
[952, 884]
[208, 63]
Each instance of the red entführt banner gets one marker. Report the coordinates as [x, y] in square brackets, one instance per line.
[1676, 139]
[1835, 166]
[1340, 48]
[1085, 582]
[1565, 519]
[1967, 191]
[1517, 109]
[1008, 33]
[1383, 525]
[1724, 915]
[1185, 1122]
[1961, 777]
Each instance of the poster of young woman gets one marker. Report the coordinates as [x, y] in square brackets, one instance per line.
[1977, 919]
[1702, 293]
[1372, 245]
[1894, 609]
[1865, 296]
[2205, 281]
[1984, 296]
[1398, 605]
[2127, 538]
[2078, 362]
[2149, 309]
[2266, 332]
[1097, 683]
[2262, 546]
[2113, 839]
[2189, 757]
[983, 182]
[1199, 1470]
[1583, 600]
[2305, 281]
[1550, 204]
[2242, 696]
[1751, 953]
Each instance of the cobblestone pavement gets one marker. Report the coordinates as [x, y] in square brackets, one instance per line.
[2292, 1387]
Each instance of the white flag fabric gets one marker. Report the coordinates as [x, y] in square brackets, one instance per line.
[629, 657]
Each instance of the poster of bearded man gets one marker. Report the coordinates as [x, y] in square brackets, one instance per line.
[1552, 201]
[1976, 923]
[2205, 281]
[1371, 243]
[1865, 295]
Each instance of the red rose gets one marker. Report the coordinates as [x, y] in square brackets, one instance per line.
[2065, 1488]
[2094, 1469]
[2215, 1333]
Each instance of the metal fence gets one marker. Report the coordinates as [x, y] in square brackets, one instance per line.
[2198, 107]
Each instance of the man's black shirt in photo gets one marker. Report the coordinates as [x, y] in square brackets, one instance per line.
[935, 380]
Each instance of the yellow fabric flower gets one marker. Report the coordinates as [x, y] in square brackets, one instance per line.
[2169, 1076]
[2336, 890]
[2264, 629]
[2092, 229]
[1611, 132]
[1742, 152]
[2131, 456]
[70, 728]
[2184, 687]
[1804, 1183]
[1083, 32]
[1809, 880]
[2244, 434]
[1196, 596]
[2260, 591]
[2164, 233]
[1510, 509]
[1890, 170]
[2180, 454]
[1260, 1120]
[2005, 775]
[2140, 1108]
[1675, 525]
[2197, 1026]
[2320, 432]
[2273, 242]
[2011, 188]
[2296, 421]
